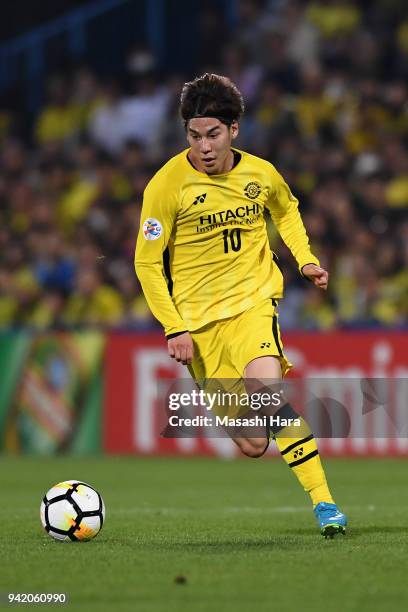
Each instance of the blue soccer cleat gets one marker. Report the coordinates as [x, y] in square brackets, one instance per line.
[331, 520]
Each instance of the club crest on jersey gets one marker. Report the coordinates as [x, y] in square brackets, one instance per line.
[252, 190]
[152, 229]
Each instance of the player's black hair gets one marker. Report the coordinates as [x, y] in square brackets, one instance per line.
[211, 95]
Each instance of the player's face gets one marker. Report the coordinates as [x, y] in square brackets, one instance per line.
[210, 142]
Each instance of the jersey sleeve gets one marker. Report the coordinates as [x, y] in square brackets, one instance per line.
[157, 219]
[283, 207]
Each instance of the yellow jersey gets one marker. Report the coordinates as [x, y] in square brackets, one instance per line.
[219, 261]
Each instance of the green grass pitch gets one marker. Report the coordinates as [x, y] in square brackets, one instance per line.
[241, 532]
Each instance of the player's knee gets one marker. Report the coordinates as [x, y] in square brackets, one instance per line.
[253, 448]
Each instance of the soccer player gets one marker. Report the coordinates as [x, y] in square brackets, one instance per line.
[206, 207]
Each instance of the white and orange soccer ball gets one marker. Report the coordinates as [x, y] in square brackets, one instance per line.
[72, 511]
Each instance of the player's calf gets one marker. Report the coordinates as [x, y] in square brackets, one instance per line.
[252, 447]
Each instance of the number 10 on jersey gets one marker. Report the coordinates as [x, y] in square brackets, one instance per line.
[232, 239]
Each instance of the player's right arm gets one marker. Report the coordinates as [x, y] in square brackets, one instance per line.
[157, 220]
[181, 348]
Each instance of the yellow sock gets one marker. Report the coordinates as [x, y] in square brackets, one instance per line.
[299, 449]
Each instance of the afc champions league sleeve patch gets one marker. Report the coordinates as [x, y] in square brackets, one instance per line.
[152, 229]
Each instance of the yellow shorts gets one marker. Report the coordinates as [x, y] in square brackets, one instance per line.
[224, 348]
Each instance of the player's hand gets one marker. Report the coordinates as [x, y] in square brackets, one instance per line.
[317, 275]
[181, 348]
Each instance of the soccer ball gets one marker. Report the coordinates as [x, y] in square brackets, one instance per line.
[72, 510]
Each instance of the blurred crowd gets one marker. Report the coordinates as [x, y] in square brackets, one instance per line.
[325, 85]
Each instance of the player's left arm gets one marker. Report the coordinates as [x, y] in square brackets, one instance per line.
[319, 276]
[284, 210]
